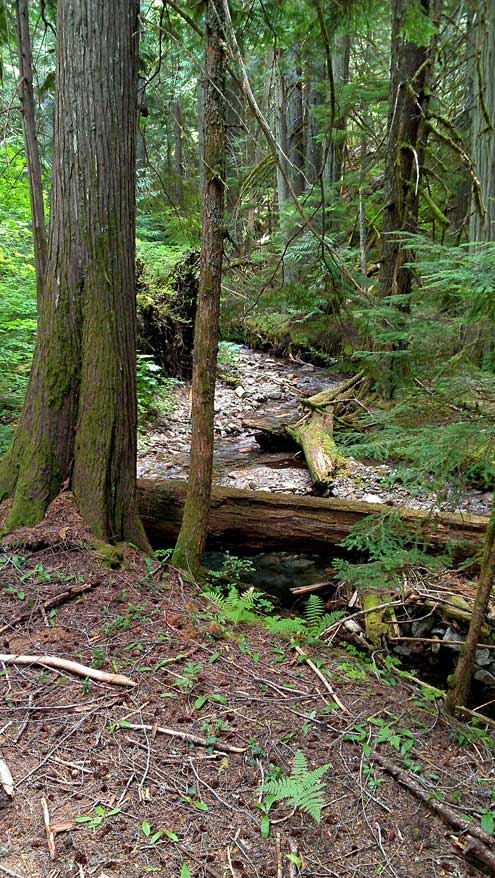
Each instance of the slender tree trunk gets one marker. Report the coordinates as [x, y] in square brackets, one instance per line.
[192, 537]
[335, 152]
[78, 424]
[461, 682]
[281, 134]
[201, 145]
[313, 161]
[31, 143]
[179, 165]
[295, 127]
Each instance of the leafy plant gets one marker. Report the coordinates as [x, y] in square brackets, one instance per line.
[97, 817]
[302, 788]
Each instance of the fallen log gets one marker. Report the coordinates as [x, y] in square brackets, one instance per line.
[260, 520]
[315, 436]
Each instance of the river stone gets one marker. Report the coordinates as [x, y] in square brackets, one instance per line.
[484, 676]
[483, 657]
[240, 392]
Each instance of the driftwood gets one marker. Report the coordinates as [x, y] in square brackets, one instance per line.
[70, 667]
[260, 520]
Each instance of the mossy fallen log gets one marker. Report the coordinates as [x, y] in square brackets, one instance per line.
[260, 520]
[323, 459]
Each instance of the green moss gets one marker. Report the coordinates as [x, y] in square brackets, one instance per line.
[108, 555]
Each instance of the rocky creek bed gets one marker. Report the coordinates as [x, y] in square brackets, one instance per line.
[267, 386]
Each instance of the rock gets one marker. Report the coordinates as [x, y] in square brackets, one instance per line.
[308, 367]
[371, 498]
[240, 391]
[450, 634]
[484, 676]
[421, 627]
[483, 657]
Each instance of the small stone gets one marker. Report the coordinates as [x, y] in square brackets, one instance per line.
[240, 392]
[308, 367]
[372, 498]
[482, 657]
[484, 676]
[421, 628]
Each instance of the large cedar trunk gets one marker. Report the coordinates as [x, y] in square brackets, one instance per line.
[192, 537]
[78, 424]
[482, 228]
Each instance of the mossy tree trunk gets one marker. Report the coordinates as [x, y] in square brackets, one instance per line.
[192, 537]
[78, 424]
[31, 142]
[410, 77]
[461, 682]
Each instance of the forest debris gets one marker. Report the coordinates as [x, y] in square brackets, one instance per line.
[50, 836]
[315, 436]
[483, 841]
[55, 601]
[185, 736]
[320, 677]
[51, 661]
[6, 779]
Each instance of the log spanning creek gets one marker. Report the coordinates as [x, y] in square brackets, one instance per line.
[265, 507]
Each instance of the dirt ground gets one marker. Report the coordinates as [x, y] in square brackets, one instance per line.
[157, 802]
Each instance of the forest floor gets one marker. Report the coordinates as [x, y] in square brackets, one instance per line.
[127, 799]
[271, 387]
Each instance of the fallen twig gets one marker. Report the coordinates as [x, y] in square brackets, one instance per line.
[56, 601]
[52, 661]
[185, 736]
[50, 835]
[321, 677]
[483, 846]
[10, 872]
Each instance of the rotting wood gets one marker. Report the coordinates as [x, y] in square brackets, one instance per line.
[70, 667]
[315, 436]
[260, 519]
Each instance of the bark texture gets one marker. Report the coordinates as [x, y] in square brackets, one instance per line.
[192, 538]
[262, 520]
[79, 419]
[482, 227]
[410, 77]
[31, 143]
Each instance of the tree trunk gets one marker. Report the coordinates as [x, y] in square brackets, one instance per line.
[411, 70]
[192, 538]
[31, 143]
[313, 160]
[461, 682]
[335, 152]
[78, 423]
[261, 520]
[179, 165]
[281, 134]
[482, 228]
[295, 127]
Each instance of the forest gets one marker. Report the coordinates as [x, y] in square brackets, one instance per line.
[247, 438]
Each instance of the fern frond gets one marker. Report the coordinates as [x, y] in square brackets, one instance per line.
[302, 788]
[314, 610]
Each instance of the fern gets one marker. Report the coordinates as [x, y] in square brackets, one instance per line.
[234, 607]
[314, 610]
[302, 788]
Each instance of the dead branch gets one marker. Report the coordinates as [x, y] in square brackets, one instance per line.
[321, 677]
[185, 736]
[61, 664]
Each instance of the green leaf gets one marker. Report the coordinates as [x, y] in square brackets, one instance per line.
[198, 704]
[265, 826]
[487, 822]
[201, 806]
[146, 828]
[184, 872]
[171, 835]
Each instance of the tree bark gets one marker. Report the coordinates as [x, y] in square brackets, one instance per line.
[461, 682]
[179, 165]
[78, 424]
[410, 76]
[263, 520]
[482, 227]
[192, 538]
[31, 143]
